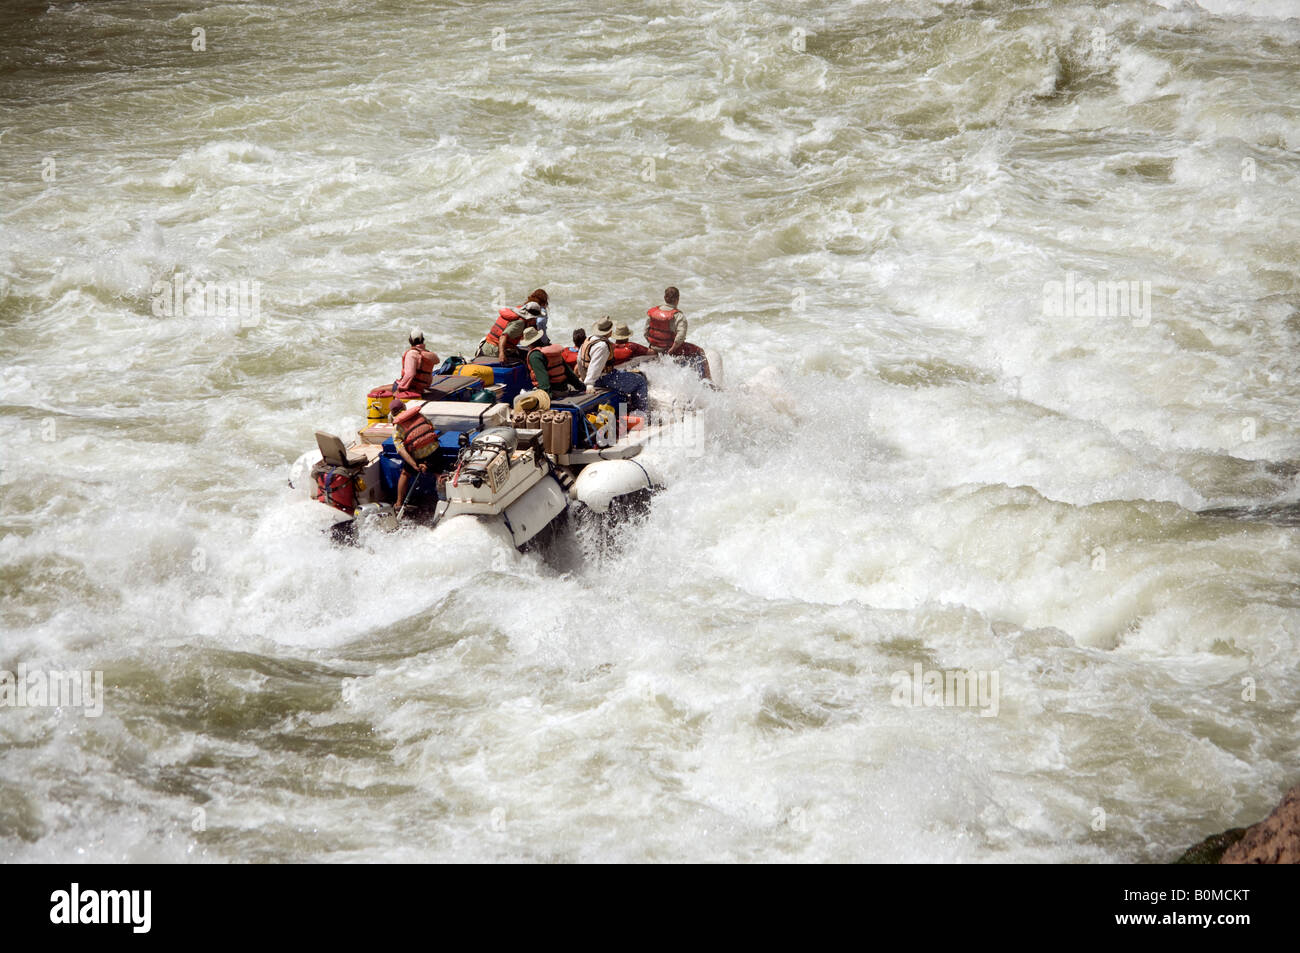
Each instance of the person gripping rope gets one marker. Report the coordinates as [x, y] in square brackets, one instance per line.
[415, 440]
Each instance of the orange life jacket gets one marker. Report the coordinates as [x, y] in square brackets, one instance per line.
[504, 317]
[660, 330]
[423, 372]
[554, 354]
[417, 433]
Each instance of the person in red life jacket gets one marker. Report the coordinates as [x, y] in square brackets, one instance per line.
[417, 366]
[502, 340]
[546, 365]
[625, 348]
[415, 439]
[665, 328]
[665, 332]
[571, 353]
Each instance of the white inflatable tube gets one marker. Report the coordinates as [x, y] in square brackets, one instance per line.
[600, 483]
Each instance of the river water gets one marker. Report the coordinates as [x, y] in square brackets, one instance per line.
[1007, 298]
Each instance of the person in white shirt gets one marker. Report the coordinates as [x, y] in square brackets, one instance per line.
[596, 369]
[596, 352]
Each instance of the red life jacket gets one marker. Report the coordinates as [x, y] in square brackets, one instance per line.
[423, 372]
[554, 354]
[417, 433]
[504, 317]
[660, 330]
[622, 352]
[336, 487]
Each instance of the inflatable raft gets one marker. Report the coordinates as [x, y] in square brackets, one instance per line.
[506, 453]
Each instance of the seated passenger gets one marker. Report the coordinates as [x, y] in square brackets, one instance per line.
[595, 353]
[595, 367]
[665, 331]
[546, 365]
[417, 367]
[540, 299]
[625, 348]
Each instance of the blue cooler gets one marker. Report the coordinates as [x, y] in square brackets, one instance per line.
[514, 376]
[580, 405]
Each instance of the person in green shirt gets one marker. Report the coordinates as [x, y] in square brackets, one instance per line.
[546, 365]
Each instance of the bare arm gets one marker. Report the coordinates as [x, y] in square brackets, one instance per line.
[405, 455]
[410, 362]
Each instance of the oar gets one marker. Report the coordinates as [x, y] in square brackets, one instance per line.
[409, 490]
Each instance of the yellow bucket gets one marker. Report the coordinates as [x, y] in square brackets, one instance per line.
[377, 403]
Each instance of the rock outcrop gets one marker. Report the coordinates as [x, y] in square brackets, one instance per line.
[1274, 840]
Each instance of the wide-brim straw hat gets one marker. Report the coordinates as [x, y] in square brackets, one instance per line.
[538, 398]
[622, 333]
[531, 337]
[603, 327]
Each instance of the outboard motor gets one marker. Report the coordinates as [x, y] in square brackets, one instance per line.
[497, 438]
[486, 459]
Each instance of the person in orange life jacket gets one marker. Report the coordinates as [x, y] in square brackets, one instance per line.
[502, 340]
[532, 312]
[623, 343]
[415, 440]
[665, 331]
[417, 366]
[596, 368]
[665, 328]
[546, 365]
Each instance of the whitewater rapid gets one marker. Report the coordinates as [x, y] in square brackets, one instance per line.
[923, 457]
